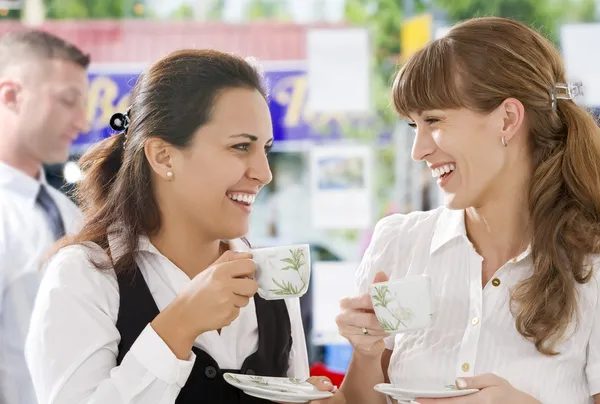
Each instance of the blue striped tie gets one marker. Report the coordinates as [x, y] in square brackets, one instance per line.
[47, 203]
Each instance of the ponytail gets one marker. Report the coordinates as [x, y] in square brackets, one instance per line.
[564, 202]
[100, 166]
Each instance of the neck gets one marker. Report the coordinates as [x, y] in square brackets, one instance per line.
[189, 250]
[17, 159]
[499, 229]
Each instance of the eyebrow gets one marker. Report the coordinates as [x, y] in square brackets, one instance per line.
[248, 136]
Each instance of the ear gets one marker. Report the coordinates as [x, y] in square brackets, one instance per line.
[512, 115]
[10, 94]
[160, 155]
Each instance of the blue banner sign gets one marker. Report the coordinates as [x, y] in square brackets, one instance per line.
[110, 92]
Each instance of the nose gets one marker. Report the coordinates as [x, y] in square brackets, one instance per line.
[423, 145]
[260, 170]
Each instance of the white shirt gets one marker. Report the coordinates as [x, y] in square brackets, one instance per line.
[73, 342]
[474, 331]
[25, 237]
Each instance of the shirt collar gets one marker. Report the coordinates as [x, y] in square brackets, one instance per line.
[450, 225]
[116, 244]
[16, 181]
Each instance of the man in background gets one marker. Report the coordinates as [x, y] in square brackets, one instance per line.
[43, 90]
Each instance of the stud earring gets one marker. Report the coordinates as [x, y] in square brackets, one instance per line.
[170, 175]
[504, 141]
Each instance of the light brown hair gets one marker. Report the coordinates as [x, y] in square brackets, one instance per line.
[32, 45]
[170, 101]
[479, 64]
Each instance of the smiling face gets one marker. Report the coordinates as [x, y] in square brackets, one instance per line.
[464, 151]
[217, 178]
[473, 135]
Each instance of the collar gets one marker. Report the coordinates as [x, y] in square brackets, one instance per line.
[16, 181]
[449, 225]
[117, 246]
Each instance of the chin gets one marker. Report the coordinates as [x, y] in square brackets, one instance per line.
[455, 202]
[235, 231]
[57, 158]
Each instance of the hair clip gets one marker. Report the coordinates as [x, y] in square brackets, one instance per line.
[566, 91]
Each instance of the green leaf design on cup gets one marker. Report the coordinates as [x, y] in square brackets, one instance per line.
[294, 263]
[400, 315]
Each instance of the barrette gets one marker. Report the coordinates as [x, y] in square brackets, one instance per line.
[566, 91]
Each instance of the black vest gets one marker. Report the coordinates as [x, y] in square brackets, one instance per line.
[206, 384]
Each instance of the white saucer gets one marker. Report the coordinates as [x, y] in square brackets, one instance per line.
[407, 391]
[280, 389]
[277, 398]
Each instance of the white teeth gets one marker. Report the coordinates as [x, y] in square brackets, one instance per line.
[246, 198]
[439, 171]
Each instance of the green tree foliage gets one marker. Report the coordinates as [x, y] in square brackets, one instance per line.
[95, 9]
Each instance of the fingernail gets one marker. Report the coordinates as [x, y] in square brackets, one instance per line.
[327, 383]
[414, 402]
[461, 383]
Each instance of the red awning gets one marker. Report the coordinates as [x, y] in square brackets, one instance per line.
[143, 41]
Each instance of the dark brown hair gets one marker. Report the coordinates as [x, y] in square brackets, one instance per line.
[19, 46]
[478, 65]
[170, 101]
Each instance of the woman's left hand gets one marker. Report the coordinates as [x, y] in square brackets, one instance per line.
[323, 383]
[492, 390]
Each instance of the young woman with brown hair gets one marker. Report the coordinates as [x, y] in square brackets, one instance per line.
[513, 253]
[155, 298]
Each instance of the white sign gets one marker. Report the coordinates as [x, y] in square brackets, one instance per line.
[326, 299]
[338, 70]
[341, 187]
[579, 43]
[11, 4]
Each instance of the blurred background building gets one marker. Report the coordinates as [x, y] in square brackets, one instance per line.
[336, 170]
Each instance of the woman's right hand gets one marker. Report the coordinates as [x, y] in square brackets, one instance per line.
[357, 315]
[211, 301]
[215, 296]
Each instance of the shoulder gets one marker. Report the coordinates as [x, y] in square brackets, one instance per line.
[72, 270]
[406, 228]
[395, 240]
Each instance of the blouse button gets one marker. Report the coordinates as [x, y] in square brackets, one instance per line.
[475, 320]
[210, 372]
[496, 282]
[465, 367]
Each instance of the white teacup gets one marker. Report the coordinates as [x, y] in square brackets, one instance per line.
[403, 304]
[282, 272]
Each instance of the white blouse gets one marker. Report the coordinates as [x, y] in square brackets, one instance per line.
[474, 331]
[73, 342]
